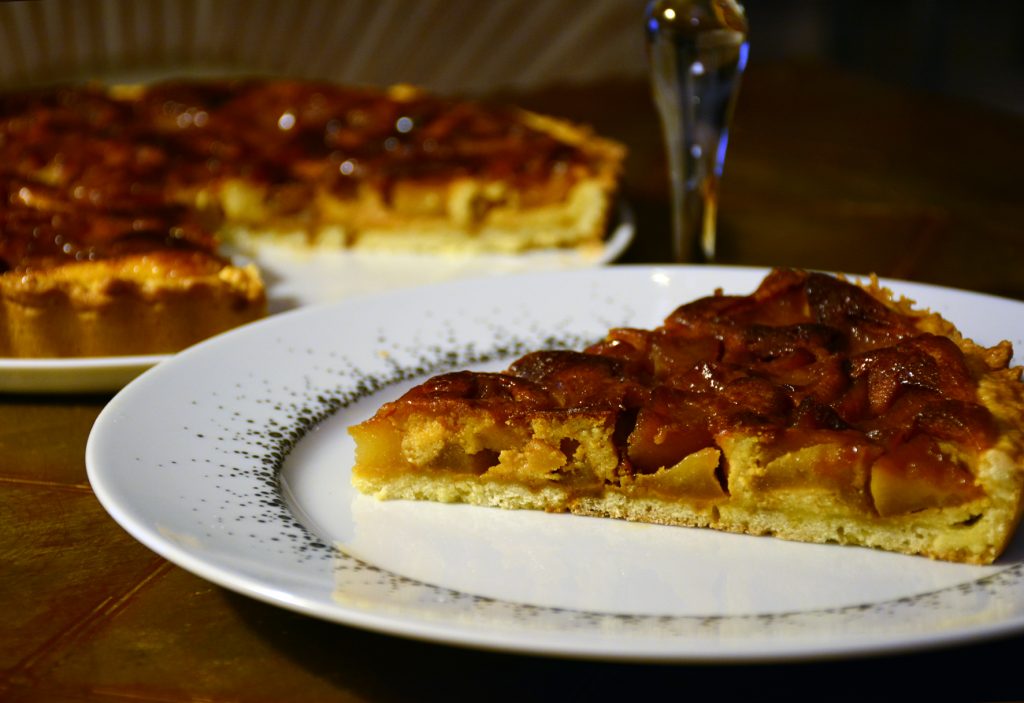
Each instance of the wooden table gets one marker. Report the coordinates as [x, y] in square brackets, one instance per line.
[824, 171]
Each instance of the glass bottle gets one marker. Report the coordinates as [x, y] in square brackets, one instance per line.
[697, 51]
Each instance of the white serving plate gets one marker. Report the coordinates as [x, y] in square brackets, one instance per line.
[231, 460]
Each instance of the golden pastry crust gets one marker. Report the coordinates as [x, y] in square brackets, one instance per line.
[814, 410]
[148, 304]
[114, 201]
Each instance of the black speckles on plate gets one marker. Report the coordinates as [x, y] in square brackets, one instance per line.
[254, 450]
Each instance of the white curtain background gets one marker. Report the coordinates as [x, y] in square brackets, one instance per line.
[450, 46]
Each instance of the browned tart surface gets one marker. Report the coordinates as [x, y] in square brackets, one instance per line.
[813, 409]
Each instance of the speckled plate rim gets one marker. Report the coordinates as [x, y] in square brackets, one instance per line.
[106, 374]
[193, 472]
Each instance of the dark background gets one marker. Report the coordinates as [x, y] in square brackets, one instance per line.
[971, 50]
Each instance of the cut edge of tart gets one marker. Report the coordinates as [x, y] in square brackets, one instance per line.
[460, 213]
[853, 419]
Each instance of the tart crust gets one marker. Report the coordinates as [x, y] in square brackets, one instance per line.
[149, 304]
[899, 434]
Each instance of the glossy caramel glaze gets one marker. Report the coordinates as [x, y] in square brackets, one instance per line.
[86, 173]
[43, 226]
[806, 359]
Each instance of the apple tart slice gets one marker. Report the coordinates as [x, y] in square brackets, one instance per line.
[813, 409]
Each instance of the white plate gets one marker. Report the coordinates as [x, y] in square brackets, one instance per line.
[85, 375]
[232, 460]
[294, 279]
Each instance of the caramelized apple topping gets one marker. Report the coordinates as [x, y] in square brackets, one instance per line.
[579, 380]
[670, 427]
[490, 388]
[917, 475]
